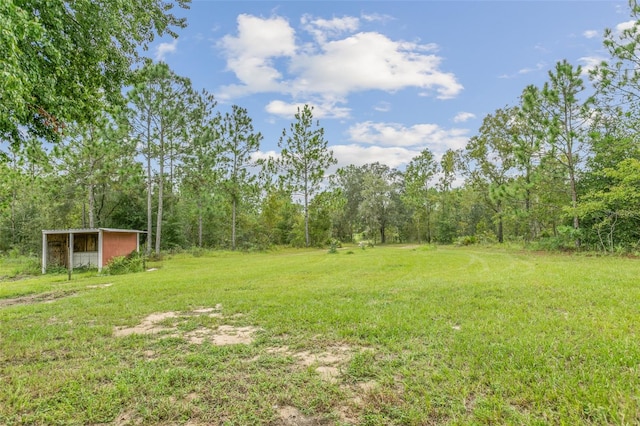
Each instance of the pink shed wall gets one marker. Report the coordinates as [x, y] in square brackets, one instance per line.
[117, 244]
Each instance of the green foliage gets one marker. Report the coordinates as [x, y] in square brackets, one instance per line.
[334, 245]
[466, 240]
[119, 265]
[304, 159]
[63, 61]
[14, 264]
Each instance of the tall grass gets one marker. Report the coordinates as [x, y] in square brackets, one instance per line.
[446, 336]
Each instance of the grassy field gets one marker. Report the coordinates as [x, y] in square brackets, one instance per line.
[386, 335]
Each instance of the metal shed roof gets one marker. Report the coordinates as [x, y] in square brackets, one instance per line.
[88, 230]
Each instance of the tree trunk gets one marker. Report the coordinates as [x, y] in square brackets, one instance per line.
[428, 224]
[306, 219]
[500, 222]
[574, 204]
[306, 208]
[149, 198]
[233, 223]
[160, 193]
[199, 223]
[91, 206]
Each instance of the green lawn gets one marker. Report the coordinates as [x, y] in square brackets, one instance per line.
[386, 335]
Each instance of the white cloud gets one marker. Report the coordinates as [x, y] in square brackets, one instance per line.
[418, 136]
[589, 63]
[372, 61]
[382, 106]
[359, 155]
[624, 26]
[322, 29]
[328, 69]
[377, 17]
[165, 48]
[250, 55]
[539, 66]
[461, 117]
[590, 34]
[322, 110]
[268, 155]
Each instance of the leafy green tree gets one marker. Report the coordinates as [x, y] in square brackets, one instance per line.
[159, 104]
[238, 142]
[490, 161]
[418, 178]
[615, 210]
[348, 181]
[528, 143]
[278, 217]
[566, 119]
[96, 158]
[63, 61]
[446, 227]
[381, 192]
[617, 81]
[199, 169]
[304, 159]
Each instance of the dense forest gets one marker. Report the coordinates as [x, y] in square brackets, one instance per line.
[143, 149]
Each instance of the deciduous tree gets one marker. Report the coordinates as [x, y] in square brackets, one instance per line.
[63, 60]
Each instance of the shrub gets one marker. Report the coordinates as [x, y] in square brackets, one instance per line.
[125, 264]
[466, 240]
[334, 245]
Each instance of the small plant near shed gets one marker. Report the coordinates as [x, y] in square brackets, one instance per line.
[334, 245]
[125, 264]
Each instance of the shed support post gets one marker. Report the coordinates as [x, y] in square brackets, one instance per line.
[44, 253]
[70, 254]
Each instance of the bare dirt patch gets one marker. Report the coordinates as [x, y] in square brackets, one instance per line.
[291, 416]
[222, 335]
[149, 325]
[35, 298]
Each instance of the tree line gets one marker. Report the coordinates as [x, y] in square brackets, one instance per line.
[560, 168]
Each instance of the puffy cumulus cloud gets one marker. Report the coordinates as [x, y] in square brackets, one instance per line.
[418, 136]
[250, 54]
[461, 117]
[372, 61]
[590, 34]
[163, 49]
[359, 155]
[334, 64]
[320, 110]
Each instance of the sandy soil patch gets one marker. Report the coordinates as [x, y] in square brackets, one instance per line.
[149, 325]
[291, 416]
[222, 335]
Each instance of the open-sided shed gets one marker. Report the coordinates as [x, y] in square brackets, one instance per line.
[87, 247]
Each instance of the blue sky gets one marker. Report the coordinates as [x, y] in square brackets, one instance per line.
[386, 78]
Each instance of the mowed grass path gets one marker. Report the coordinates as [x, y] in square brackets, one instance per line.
[425, 336]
